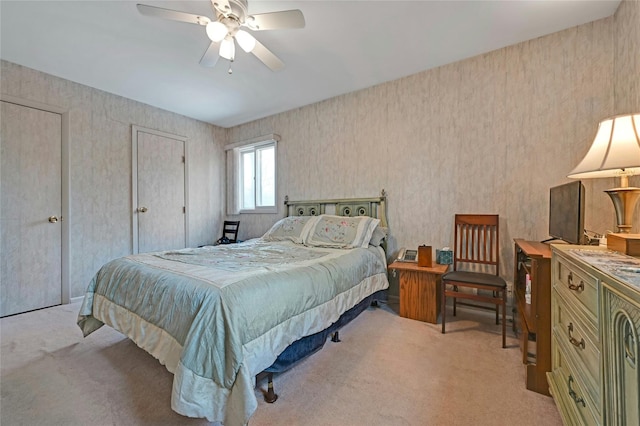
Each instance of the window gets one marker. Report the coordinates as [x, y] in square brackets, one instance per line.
[254, 177]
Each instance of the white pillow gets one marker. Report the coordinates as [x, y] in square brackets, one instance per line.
[293, 228]
[378, 236]
[341, 231]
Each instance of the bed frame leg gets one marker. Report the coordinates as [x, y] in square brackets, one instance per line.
[335, 337]
[270, 396]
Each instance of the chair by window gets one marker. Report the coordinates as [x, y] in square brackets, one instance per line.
[476, 266]
[229, 232]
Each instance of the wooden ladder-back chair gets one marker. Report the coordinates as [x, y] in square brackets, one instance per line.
[476, 266]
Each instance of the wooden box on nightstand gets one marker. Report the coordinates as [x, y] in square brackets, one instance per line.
[419, 290]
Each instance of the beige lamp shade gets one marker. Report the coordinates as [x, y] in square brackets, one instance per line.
[615, 150]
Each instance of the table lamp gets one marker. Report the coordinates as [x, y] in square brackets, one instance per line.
[615, 152]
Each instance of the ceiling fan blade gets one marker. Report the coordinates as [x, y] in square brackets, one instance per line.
[221, 6]
[267, 57]
[276, 20]
[174, 15]
[210, 57]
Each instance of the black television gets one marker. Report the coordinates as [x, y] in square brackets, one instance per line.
[566, 212]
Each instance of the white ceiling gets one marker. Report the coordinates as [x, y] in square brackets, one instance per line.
[345, 46]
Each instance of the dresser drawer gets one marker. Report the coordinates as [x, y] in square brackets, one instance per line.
[576, 341]
[568, 389]
[579, 287]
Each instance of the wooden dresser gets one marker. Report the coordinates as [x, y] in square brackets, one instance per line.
[595, 321]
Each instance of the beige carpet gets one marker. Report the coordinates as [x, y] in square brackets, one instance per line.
[386, 371]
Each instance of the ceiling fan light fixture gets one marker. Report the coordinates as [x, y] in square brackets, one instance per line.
[224, 29]
[216, 31]
[246, 41]
[228, 49]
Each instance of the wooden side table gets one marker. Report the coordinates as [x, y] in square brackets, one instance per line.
[419, 290]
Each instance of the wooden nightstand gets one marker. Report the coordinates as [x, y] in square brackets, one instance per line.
[419, 290]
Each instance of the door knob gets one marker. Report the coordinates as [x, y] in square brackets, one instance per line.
[142, 209]
[53, 219]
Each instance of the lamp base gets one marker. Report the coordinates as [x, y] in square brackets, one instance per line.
[624, 202]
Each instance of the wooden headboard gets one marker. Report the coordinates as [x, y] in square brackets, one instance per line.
[375, 207]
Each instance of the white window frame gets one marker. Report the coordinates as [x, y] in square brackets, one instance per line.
[235, 176]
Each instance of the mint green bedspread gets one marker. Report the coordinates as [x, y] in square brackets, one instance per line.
[217, 316]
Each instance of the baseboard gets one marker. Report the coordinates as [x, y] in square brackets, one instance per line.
[76, 299]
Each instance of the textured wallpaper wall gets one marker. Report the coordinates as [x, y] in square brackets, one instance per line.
[100, 163]
[627, 71]
[627, 59]
[490, 134]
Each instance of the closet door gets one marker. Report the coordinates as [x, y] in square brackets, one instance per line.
[160, 191]
[30, 209]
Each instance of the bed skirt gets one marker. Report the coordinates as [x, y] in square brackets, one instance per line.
[308, 345]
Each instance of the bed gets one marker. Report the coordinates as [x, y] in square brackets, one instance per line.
[218, 316]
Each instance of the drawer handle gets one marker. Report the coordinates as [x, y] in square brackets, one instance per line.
[577, 399]
[573, 340]
[579, 287]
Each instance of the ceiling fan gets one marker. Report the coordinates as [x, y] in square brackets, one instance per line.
[226, 29]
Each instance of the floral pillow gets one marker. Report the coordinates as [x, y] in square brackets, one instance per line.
[293, 228]
[341, 232]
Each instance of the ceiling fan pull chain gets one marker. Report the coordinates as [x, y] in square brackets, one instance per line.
[230, 70]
